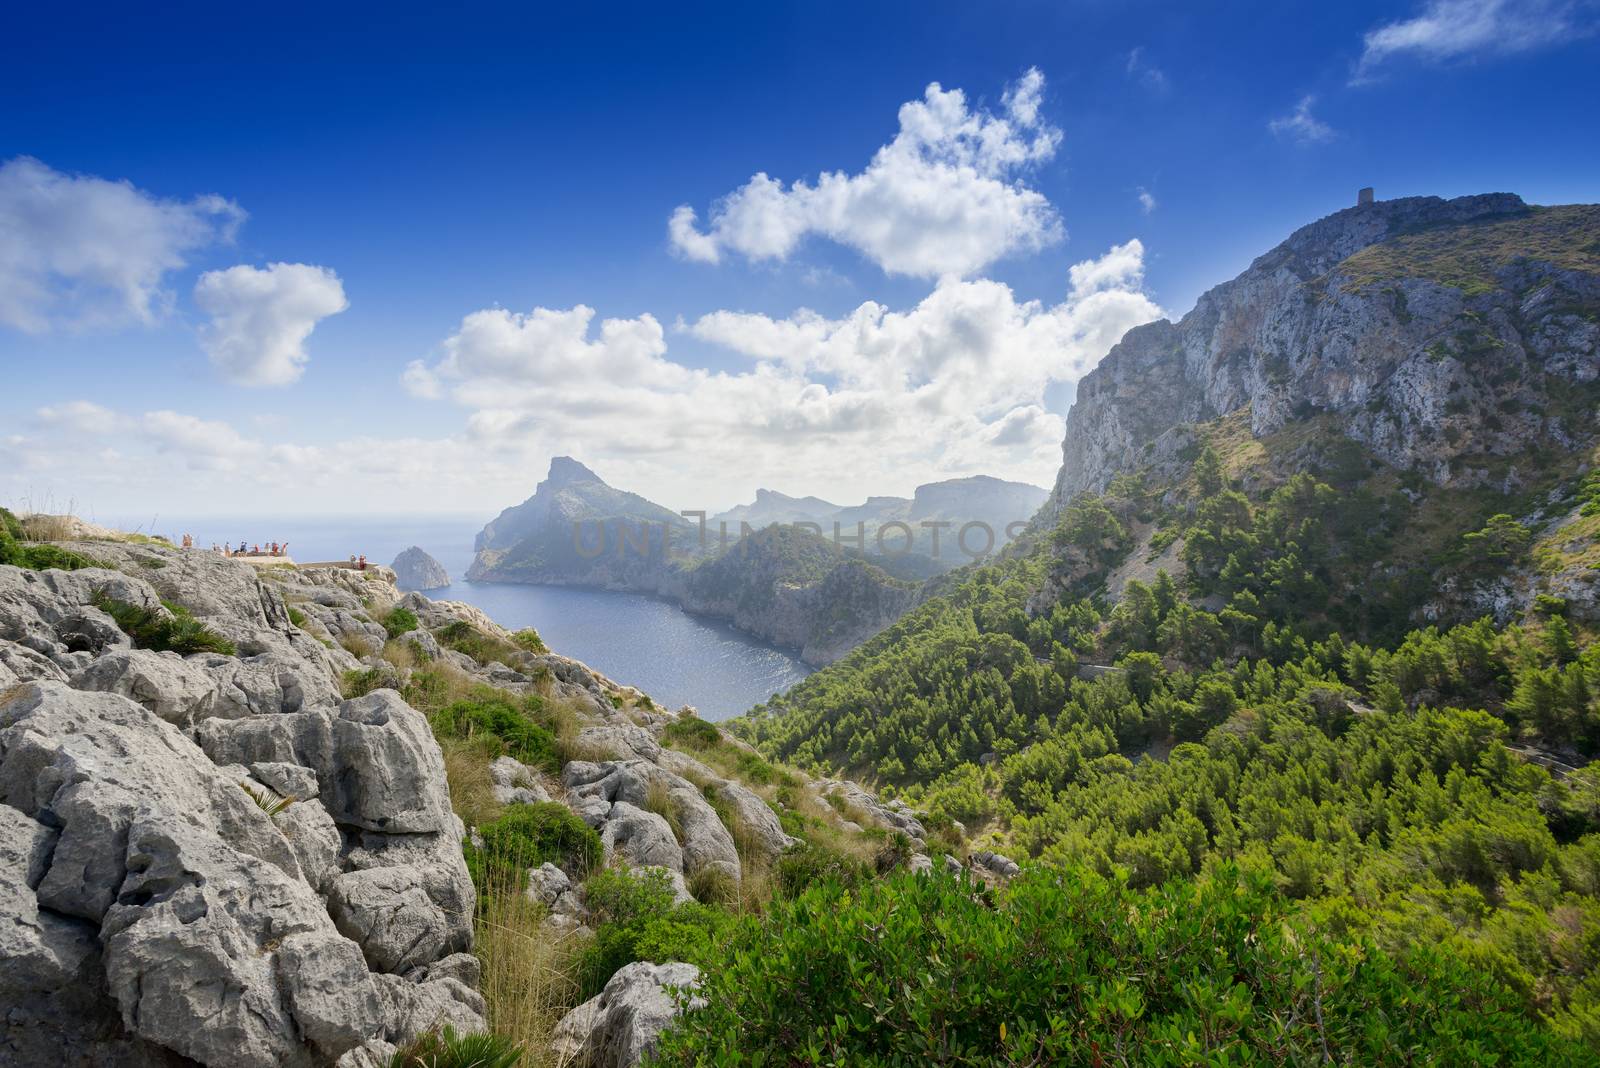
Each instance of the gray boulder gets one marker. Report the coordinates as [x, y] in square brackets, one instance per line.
[515, 783]
[378, 765]
[390, 916]
[640, 837]
[92, 761]
[165, 683]
[227, 960]
[619, 1026]
[995, 864]
[706, 843]
[756, 825]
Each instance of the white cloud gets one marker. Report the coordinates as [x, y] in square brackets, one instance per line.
[1147, 200]
[84, 417]
[1146, 73]
[942, 198]
[261, 317]
[202, 444]
[1300, 125]
[82, 251]
[1453, 29]
[874, 401]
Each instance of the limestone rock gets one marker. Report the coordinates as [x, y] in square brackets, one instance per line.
[995, 864]
[515, 783]
[618, 1026]
[895, 816]
[92, 761]
[414, 569]
[640, 837]
[226, 960]
[755, 820]
[390, 916]
[378, 765]
[706, 843]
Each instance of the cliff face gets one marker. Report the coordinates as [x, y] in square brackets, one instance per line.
[792, 588]
[1437, 333]
[414, 569]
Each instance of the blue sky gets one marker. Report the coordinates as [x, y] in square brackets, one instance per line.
[420, 166]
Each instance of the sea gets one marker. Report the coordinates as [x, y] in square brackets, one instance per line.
[676, 658]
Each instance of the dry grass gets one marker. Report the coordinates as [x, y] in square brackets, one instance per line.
[529, 973]
[403, 655]
[356, 646]
[47, 527]
[466, 767]
[659, 799]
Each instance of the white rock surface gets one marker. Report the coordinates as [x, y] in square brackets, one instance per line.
[618, 1026]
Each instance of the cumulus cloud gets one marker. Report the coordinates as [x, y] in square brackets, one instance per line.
[877, 399]
[82, 251]
[1455, 29]
[261, 317]
[944, 197]
[1300, 125]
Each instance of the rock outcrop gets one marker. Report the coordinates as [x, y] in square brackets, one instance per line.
[618, 1026]
[1432, 332]
[158, 904]
[414, 569]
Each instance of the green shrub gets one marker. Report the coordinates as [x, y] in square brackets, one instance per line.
[400, 621]
[637, 920]
[359, 682]
[463, 637]
[39, 556]
[528, 638]
[10, 526]
[526, 836]
[809, 864]
[691, 732]
[508, 722]
[1066, 967]
[181, 633]
[446, 1049]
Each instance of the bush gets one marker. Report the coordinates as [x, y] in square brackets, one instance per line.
[638, 920]
[1067, 967]
[463, 637]
[691, 732]
[446, 1049]
[400, 621]
[359, 682]
[809, 864]
[38, 557]
[179, 633]
[526, 836]
[508, 723]
[527, 638]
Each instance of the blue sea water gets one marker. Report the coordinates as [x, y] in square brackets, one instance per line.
[677, 658]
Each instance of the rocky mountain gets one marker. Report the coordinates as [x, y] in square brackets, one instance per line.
[770, 507]
[784, 584]
[578, 529]
[1445, 336]
[999, 505]
[414, 569]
